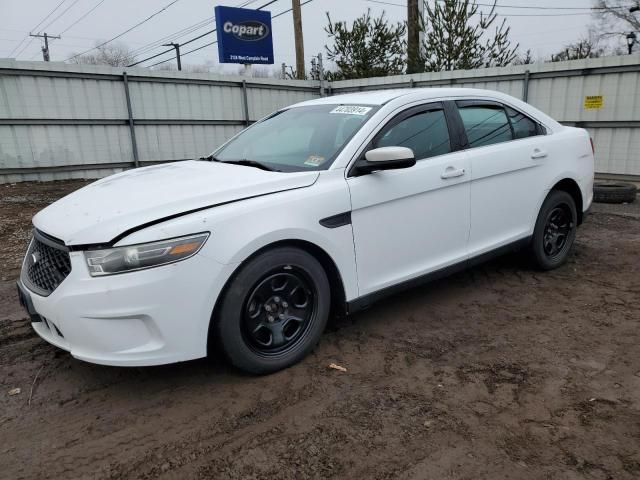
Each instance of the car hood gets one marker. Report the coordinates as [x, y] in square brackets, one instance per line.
[103, 210]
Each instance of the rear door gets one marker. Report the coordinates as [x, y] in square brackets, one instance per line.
[412, 221]
[509, 161]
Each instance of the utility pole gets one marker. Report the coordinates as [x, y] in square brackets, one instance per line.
[414, 36]
[45, 49]
[297, 30]
[177, 47]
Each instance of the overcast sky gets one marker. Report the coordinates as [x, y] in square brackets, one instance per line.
[544, 31]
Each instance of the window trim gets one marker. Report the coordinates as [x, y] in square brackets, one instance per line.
[452, 129]
[540, 129]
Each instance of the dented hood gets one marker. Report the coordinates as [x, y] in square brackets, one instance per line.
[103, 210]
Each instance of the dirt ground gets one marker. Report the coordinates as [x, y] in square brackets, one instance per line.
[499, 372]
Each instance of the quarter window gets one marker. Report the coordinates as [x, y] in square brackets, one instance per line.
[425, 133]
[523, 127]
[485, 125]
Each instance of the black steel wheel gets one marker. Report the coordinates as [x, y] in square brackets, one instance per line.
[274, 310]
[555, 230]
[279, 310]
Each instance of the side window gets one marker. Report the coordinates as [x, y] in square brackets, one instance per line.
[425, 133]
[523, 126]
[485, 125]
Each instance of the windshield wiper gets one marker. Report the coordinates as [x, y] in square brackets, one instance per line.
[244, 161]
[248, 163]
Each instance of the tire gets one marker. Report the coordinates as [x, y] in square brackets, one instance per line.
[255, 326]
[555, 231]
[614, 192]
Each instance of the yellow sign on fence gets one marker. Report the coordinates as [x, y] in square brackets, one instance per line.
[593, 102]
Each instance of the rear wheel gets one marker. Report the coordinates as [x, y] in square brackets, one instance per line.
[555, 230]
[274, 311]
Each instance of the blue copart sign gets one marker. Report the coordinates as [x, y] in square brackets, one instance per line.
[244, 35]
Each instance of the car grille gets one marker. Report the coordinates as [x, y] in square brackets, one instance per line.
[46, 264]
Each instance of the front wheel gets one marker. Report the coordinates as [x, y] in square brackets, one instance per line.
[273, 311]
[555, 230]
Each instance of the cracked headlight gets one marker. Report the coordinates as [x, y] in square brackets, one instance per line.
[145, 255]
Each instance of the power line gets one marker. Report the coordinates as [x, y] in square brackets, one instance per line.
[182, 32]
[63, 12]
[591, 9]
[501, 14]
[125, 32]
[216, 41]
[33, 29]
[49, 14]
[209, 32]
[83, 16]
[174, 36]
[530, 7]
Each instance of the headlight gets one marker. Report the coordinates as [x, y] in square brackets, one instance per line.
[144, 255]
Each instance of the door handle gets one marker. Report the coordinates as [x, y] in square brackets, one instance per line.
[537, 154]
[452, 172]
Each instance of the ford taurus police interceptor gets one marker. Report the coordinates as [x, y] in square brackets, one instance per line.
[320, 208]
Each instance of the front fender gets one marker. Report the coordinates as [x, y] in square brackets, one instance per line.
[240, 229]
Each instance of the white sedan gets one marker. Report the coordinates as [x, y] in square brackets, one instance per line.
[321, 208]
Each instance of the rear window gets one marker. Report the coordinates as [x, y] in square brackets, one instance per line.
[485, 125]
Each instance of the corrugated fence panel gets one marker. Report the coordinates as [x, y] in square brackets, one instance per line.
[67, 121]
[262, 101]
[61, 121]
[181, 142]
[612, 150]
[558, 89]
[30, 146]
[39, 97]
[150, 100]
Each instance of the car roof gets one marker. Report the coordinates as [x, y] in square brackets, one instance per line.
[403, 96]
[380, 97]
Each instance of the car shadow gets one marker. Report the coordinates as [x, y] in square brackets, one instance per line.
[214, 370]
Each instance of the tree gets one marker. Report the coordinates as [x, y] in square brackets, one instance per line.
[524, 59]
[617, 14]
[372, 47]
[614, 20]
[452, 41]
[116, 55]
[584, 48]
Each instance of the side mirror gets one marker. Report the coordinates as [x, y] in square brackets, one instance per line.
[386, 158]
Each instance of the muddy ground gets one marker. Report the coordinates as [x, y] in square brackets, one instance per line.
[499, 372]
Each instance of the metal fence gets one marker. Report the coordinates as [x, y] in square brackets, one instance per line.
[64, 121]
[560, 90]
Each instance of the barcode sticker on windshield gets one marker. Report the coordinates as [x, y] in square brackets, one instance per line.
[351, 110]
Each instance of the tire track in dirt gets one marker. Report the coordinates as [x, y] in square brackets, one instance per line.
[499, 372]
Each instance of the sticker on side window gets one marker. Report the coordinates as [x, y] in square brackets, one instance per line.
[351, 110]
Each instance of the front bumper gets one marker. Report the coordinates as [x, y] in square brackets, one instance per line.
[149, 317]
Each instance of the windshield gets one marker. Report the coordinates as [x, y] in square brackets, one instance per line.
[298, 139]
